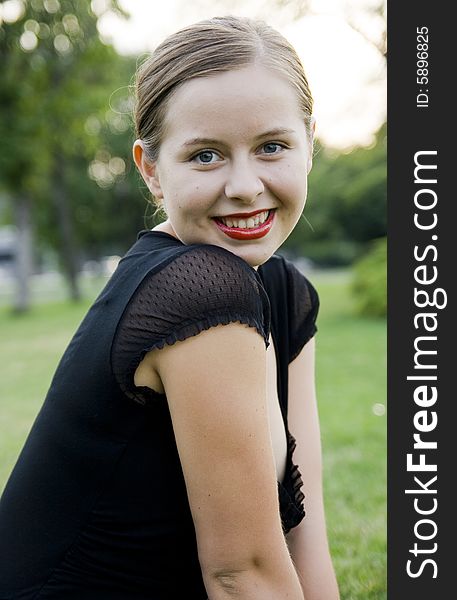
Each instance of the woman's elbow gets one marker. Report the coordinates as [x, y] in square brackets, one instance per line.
[255, 581]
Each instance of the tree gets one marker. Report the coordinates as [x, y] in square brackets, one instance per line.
[347, 204]
[55, 73]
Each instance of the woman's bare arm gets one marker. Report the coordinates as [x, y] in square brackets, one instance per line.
[216, 390]
[307, 542]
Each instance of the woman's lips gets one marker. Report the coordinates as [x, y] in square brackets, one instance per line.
[248, 233]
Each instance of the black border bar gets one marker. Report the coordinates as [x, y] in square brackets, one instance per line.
[422, 355]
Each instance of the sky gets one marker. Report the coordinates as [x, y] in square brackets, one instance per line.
[345, 72]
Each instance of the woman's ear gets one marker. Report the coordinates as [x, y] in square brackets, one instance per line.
[312, 129]
[147, 168]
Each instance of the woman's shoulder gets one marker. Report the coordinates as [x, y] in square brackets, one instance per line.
[157, 249]
[203, 268]
[203, 279]
[181, 283]
[201, 287]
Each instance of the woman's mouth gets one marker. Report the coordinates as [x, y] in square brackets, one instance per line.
[247, 228]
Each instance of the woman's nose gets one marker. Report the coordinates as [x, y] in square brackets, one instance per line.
[243, 183]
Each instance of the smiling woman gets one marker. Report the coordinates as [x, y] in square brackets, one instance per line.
[170, 454]
[215, 157]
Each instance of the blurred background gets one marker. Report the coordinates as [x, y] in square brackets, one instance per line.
[71, 203]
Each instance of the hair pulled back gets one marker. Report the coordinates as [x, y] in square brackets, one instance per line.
[202, 49]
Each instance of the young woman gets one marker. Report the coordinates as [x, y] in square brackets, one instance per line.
[177, 454]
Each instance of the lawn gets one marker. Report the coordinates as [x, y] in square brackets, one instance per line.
[351, 385]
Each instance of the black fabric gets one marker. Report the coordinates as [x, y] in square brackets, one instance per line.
[96, 506]
[201, 288]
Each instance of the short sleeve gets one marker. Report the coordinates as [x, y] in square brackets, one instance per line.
[303, 303]
[202, 287]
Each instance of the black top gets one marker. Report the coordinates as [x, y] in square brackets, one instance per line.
[96, 506]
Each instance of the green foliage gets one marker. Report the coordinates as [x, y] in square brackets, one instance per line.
[66, 134]
[346, 205]
[369, 284]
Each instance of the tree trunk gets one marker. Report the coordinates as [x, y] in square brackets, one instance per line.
[67, 244]
[23, 254]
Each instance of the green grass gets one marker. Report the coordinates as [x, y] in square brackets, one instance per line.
[351, 368]
[351, 379]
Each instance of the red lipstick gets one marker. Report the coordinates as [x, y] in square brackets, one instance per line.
[251, 233]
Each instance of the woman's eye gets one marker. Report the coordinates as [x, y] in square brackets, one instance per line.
[272, 148]
[207, 157]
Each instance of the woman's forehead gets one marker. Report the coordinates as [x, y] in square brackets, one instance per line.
[252, 100]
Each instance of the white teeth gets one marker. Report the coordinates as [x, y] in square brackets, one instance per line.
[246, 223]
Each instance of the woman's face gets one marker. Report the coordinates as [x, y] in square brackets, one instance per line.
[233, 164]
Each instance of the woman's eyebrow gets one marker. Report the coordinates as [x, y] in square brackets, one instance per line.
[211, 141]
[198, 141]
[274, 132]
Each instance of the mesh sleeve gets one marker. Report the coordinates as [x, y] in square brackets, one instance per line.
[303, 310]
[201, 288]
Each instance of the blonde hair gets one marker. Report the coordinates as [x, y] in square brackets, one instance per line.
[200, 50]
